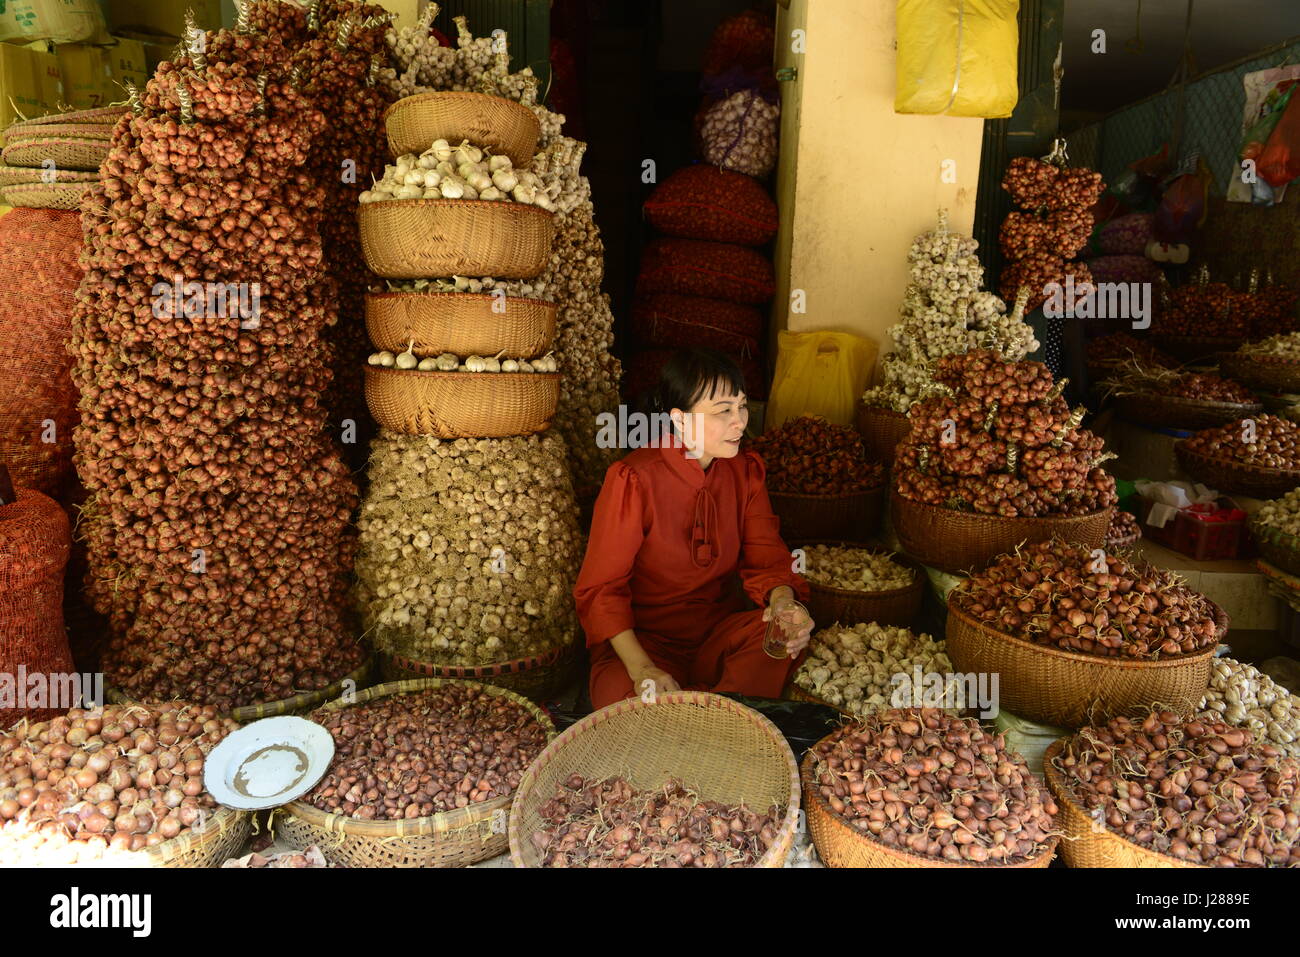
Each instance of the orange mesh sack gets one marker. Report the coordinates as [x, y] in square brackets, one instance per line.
[704, 202]
[35, 538]
[691, 267]
[38, 401]
[668, 320]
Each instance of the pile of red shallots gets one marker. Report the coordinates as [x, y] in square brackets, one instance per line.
[1123, 529]
[218, 509]
[610, 823]
[1198, 790]
[1208, 388]
[924, 781]
[424, 752]
[1121, 347]
[1209, 309]
[810, 456]
[1053, 226]
[1000, 440]
[1068, 596]
[1265, 441]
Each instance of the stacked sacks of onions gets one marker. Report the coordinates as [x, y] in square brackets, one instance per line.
[217, 514]
[1076, 633]
[1165, 791]
[921, 788]
[996, 457]
[120, 785]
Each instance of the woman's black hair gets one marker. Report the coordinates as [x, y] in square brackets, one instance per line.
[693, 374]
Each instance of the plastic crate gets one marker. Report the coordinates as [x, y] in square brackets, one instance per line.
[1195, 536]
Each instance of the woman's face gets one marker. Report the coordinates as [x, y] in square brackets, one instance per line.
[713, 427]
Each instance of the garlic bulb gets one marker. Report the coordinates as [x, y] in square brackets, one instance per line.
[476, 364]
[428, 365]
[385, 359]
[407, 359]
[509, 365]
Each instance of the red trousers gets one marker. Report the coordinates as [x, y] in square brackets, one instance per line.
[731, 658]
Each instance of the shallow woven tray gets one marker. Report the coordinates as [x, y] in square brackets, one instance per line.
[1176, 412]
[1069, 689]
[66, 196]
[1087, 844]
[67, 152]
[1277, 547]
[459, 405]
[492, 122]
[1271, 373]
[537, 677]
[427, 238]
[881, 431]
[460, 322]
[23, 175]
[106, 115]
[894, 606]
[957, 542]
[451, 839]
[841, 845]
[726, 751]
[855, 516]
[1191, 348]
[1226, 475]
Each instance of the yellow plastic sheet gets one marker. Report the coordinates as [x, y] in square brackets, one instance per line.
[957, 57]
[819, 373]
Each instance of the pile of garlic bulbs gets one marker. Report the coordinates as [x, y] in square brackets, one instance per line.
[1280, 514]
[944, 312]
[854, 569]
[468, 550]
[513, 288]
[1246, 697]
[450, 362]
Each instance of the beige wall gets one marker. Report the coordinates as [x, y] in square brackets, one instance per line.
[857, 181]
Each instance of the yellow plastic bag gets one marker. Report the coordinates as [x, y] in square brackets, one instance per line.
[819, 373]
[957, 57]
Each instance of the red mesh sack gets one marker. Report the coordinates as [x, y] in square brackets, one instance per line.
[745, 42]
[38, 401]
[641, 374]
[668, 320]
[692, 267]
[35, 538]
[704, 202]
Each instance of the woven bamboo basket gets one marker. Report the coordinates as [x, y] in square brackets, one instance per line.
[1176, 412]
[1269, 373]
[46, 195]
[854, 516]
[724, 750]
[537, 677]
[451, 839]
[1069, 689]
[895, 606]
[1128, 541]
[296, 704]
[1191, 348]
[841, 845]
[1229, 476]
[104, 115]
[24, 175]
[467, 324]
[420, 238]
[1087, 844]
[881, 431]
[1277, 547]
[793, 692]
[494, 123]
[460, 405]
[957, 542]
[67, 152]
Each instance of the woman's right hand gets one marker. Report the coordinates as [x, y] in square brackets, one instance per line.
[663, 681]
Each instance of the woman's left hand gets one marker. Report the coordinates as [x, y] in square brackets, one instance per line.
[795, 623]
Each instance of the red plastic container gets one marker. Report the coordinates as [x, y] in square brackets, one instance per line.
[1204, 533]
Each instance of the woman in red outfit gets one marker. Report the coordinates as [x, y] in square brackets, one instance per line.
[682, 532]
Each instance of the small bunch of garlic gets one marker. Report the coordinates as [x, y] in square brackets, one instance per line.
[1280, 514]
[854, 667]
[450, 362]
[1246, 697]
[854, 569]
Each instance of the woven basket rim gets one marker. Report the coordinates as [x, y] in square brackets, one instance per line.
[228, 816]
[27, 142]
[918, 570]
[1078, 657]
[462, 376]
[417, 826]
[703, 699]
[416, 98]
[881, 410]
[810, 787]
[1273, 534]
[1207, 404]
[364, 209]
[1018, 520]
[83, 116]
[92, 131]
[1242, 468]
[512, 666]
[475, 296]
[1265, 358]
[1060, 789]
[829, 498]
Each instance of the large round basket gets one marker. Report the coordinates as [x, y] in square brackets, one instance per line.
[463, 323]
[1229, 476]
[717, 746]
[68, 152]
[958, 542]
[501, 126]
[855, 516]
[894, 606]
[1176, 412]
[1269, 373]
[1087, 843]
[25, 175]
[537, 677]
[451, 839]
[65, 196]
[424, 238]
[107, 115]
[1276, 546]
[881, 431]
[841, 845]
[1068, 689]
[462, 405]
[1191, 348]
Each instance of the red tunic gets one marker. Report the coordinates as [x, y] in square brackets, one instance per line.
[674, 548]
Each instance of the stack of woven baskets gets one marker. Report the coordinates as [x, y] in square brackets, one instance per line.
[50, 161]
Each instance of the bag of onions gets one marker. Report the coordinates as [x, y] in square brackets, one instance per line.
[1138, 792]
[921, 788]
[122, 785]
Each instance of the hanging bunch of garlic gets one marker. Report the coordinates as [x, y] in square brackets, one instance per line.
[450, 362]
[854, 666]
[1246, 697]
[468, 549]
